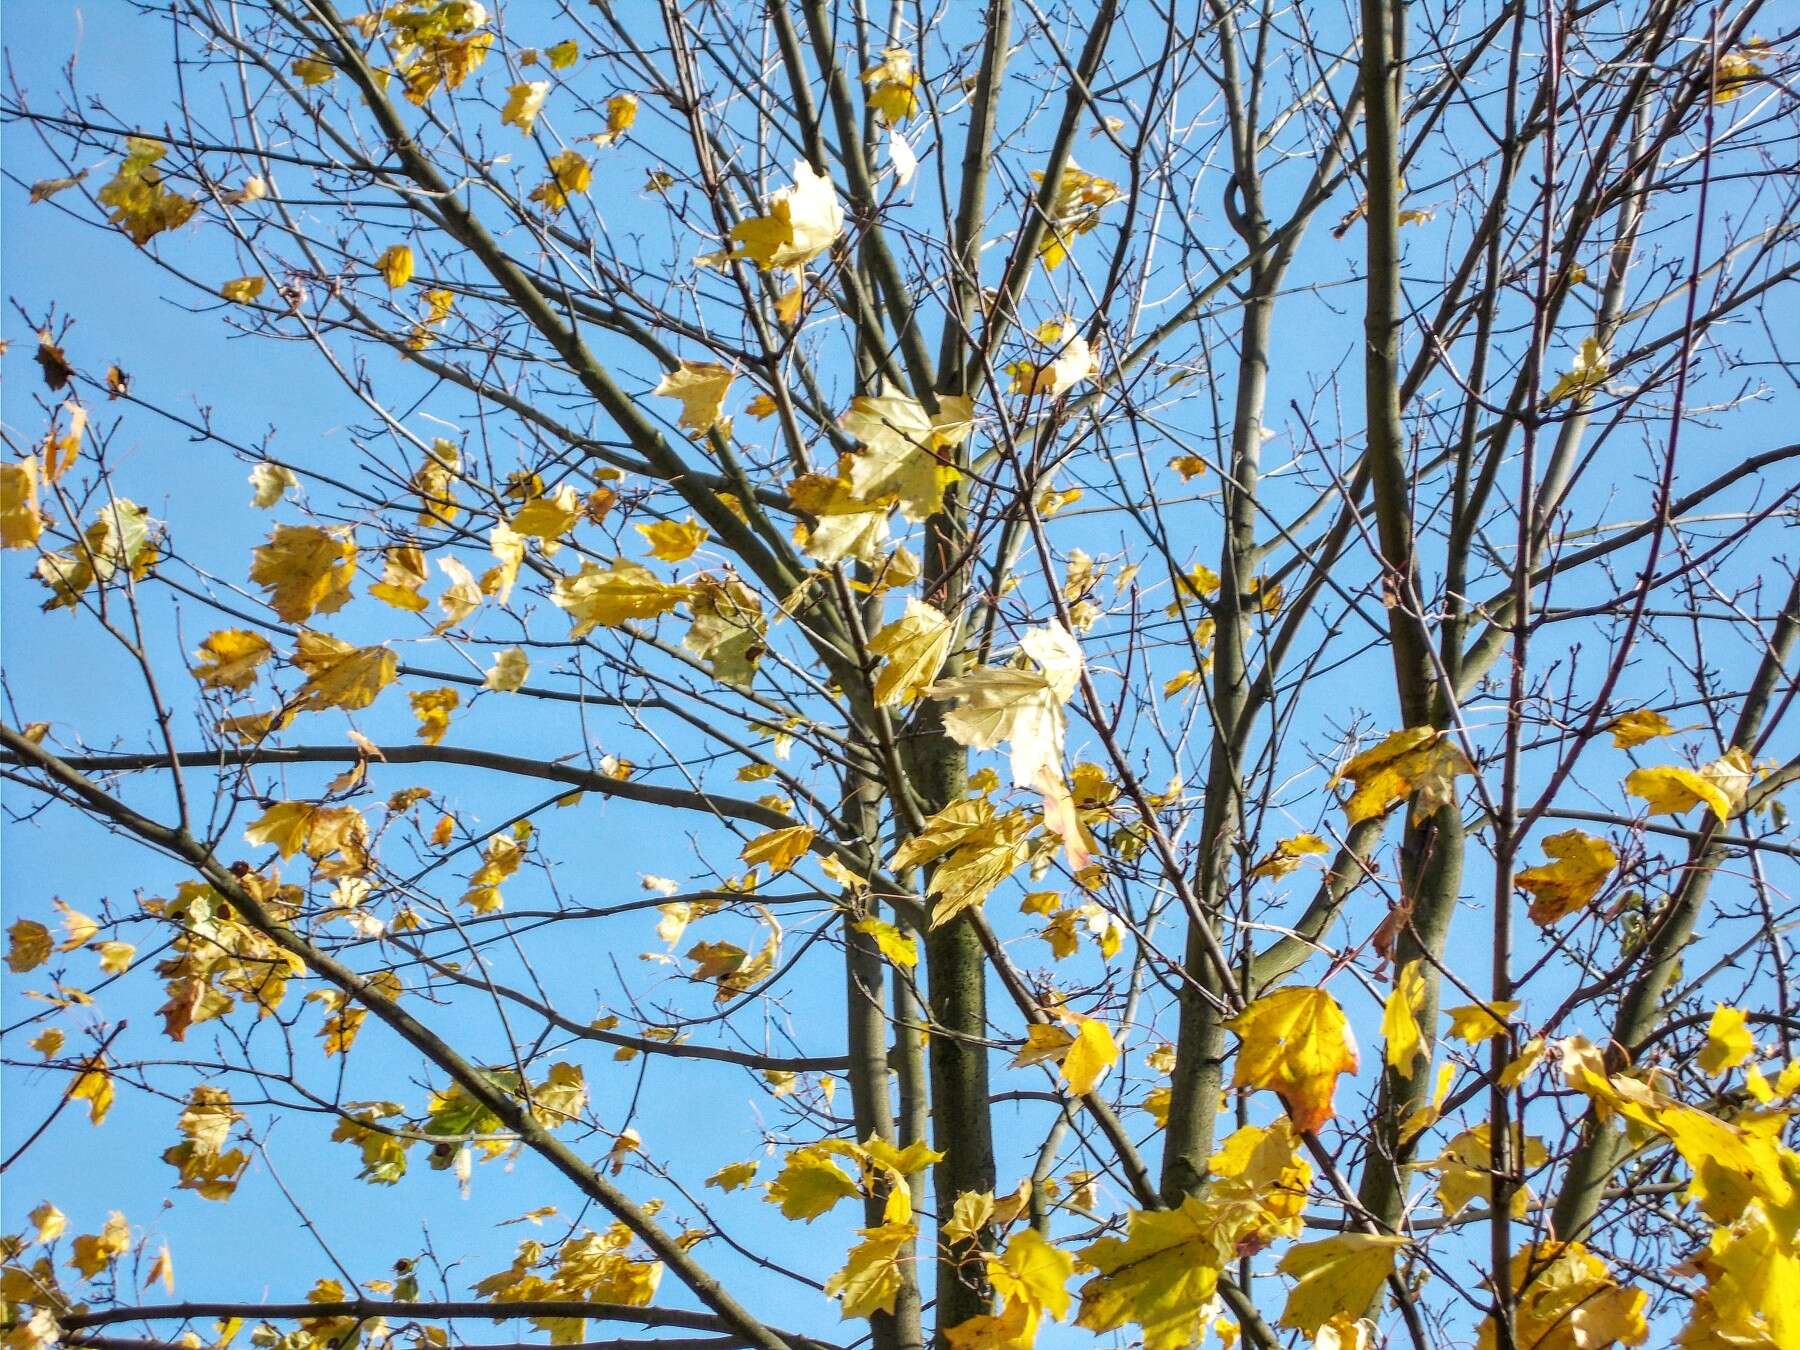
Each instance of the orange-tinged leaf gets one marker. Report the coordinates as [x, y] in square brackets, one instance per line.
[1580, 868]
[1295, 1042]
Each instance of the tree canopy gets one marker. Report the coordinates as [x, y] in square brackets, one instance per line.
[815, 674]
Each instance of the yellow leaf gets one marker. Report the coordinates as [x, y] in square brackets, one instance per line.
[570, 173]
[1336, 1275]
[136, 200]
[902, 950]
[1728, 1041]
[339, 675]
[563, 55]
[402, 574]
[802, 222]
[29, 945]
[1634, 728]
[734, 1176]
[1560, 888]
[271, 483]
[1478, 1022]
[780, 849]
[673, 541]
[20, 520]
[1286, 855]
[115, 957]
[48, 1042]
[1093, 1052]
[313, 70]
[621, 113]
[1400, 1020]
[509, 670]
[461, 598]
[915, 647]
[433, 708]
[243, 290]
[871, 1278]
[94, 1085]
[1670, 789]
[305, 570]
[523, 103]
[1189, 467]
[843, 525]
[49, 1221]
[1074, 209]
[77, 926]
[1419, 761]
[809, 1184]
[907, 451]
[1295, 1042]
[611, 596]
[893, 86]
[701, 387]
[162, 1270]
[94, 1252]
[1020, 703]
[395, 265]
[1161, 1276]
[1587, 372]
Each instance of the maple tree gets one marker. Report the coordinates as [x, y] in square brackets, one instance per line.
[1179, 749]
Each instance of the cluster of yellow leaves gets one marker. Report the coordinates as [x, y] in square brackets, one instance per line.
[1163, 1275]
[319, 832]
[1568, 1296]
[1082, 1056]
[1022, 704]
[30, 944]
[1418, 762]
[500, 860]
[1741, 1177]
[975, 850]
[1074, 208]
[118, 542]
[220, 962]
[591, 1268]
[811, 1183]
[893, 86]
[1670, 789]
[201, 1157]
[136, 199]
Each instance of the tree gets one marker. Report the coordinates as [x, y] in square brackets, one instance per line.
[991, 676]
